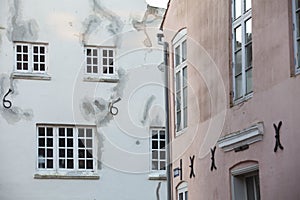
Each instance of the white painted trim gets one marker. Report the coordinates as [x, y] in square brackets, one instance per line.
[244, 137]
[182, 33]
[244, 170]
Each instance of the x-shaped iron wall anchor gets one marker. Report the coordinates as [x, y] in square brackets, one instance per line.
[5, 102]
[192, 173]
[213, 165]
[277, 136]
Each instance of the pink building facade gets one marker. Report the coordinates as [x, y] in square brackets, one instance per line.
[234, 99]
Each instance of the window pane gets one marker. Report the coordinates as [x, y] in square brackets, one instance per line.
[154, 134]
[180, 196]
[80, 132]
[162, 165]
[298, 54]
[298, 23]
[177, 56]
[249, 81]
[178, 101]
[154, 145]
[186, 195]
[184, 73]
[250, 188]
[162, 144]
[184, 50]
[162, 155]
[237, 8]
[248, 55]
[238, 62]
[178, 81]
[154, 155]
[238, 87]
[178, 120]
[104, 53]
[89, 164]
[111, 54]
[256, 179]
[248, 30]
[297, 3]
[185, 115]
[89, 133]
[154, 165]
[81, 164]
[247, 5]
[238, 37]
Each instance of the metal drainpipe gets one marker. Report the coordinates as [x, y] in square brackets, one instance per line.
[165, 45]
[169, 164]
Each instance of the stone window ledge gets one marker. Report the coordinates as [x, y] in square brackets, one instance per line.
[31, 76]
[74, 177]
[157, 176]
[241, 138]
[113, 79]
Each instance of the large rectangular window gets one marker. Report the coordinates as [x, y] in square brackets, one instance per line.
[158, 148]
[296, 31]
[181, 86]
[242, 48]
[30, 57]
[100, 61]
[66, 148]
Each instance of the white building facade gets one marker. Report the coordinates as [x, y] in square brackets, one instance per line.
[82, 101]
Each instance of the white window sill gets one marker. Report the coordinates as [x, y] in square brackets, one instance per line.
[110, 79]
[243, 99]
[73, 175]
[31, 76]
[182, 131]
[241, 138]
[160, 176]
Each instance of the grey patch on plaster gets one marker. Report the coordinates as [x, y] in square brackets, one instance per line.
[90, 24]
[157, 191]
[94, 21]
[161, 67]
[156, 121]
[142, 25]
[147, 108]
[18, 29]
[100, 141]
[13, 114]
[119, 88]
[97, 109]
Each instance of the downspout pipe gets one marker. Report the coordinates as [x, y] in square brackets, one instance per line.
[165, 45]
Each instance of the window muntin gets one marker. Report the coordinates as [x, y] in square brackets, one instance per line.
[30, 57]
[296, 27]
[242, 48]
[100, 61]
[62, 148]
[181, 87]
[158, 148]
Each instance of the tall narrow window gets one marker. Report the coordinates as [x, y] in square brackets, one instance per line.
[242, 48]
[181, 87]
[296, 28]
[158, 148]
[182, 191]
[245, 184]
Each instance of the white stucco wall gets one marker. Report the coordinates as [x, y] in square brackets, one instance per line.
[124, 150]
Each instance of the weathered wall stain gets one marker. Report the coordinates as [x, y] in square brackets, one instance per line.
[142, 25]
[13, 114]
[157, 191]
[18, 29]
[97, 109]
[147, 108]
[100, 146]
[94, 21]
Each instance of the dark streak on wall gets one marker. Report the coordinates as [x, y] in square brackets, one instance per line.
[13, 114]
[18, 29]
[157, 191]
[147, 108]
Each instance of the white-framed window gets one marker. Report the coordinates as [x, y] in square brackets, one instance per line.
[296, 33]
[245, 184]
[182, 191]
[158, 150]
[242, 48]
[65, 148]
[31, 57]
[100, 61]
[181, 86]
